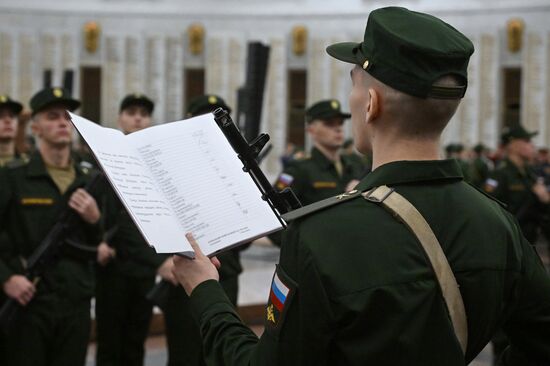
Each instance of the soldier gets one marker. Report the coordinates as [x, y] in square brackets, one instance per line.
[356, 285]
[514, 182]
[326, 172]
[54, 326]
[9, 110]
[128, 269]
[182, 332]
[479, 167]
[456, 151]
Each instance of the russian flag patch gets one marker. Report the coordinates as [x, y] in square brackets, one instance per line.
[280, 295]
[284, 181]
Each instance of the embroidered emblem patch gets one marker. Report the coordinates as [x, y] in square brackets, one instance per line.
[280, 295]
[285, 180]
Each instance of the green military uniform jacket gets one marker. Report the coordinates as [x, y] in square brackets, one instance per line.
[30, 204]
[513, 186]
[353, 285]
[316, 178]
[479, 172]
[135, 258]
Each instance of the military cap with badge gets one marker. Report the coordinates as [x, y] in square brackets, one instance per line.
[325, 109]
[516, 132]
[139, 100]
[410, 51]
[205, 104]
[53, 96]
[8, 103]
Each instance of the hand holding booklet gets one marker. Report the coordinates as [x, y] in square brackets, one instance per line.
[182, 177]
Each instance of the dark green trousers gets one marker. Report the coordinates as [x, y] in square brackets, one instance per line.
[123, 315]
[50, 331]
[182, 330]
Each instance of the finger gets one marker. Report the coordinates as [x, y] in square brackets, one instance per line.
[194, 245]
[75, 206]
[21, 300]
[216, 262]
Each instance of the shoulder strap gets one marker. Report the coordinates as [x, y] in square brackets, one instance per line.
[404, 211]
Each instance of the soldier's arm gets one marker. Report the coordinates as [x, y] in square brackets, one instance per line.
[529, 326]
[297, 328]
[14, 285]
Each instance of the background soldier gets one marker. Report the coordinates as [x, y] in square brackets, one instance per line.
[326, 172]
[54, 327]
[182, 332]
[353, 284]
[9, 111]
[479, 166]
[515, 184]
[130, 267]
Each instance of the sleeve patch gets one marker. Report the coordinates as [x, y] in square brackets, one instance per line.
[284, 181]
[281, 293]
[491, 185]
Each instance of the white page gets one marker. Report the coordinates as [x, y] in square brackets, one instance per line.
[133, 183]
[202, 178]
[192, 181]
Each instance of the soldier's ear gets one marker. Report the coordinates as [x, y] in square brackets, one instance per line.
[372, 107]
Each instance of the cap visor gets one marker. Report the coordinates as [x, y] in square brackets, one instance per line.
[69, 103]
[344, 51]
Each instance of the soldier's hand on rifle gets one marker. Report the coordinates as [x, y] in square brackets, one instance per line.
[85, 205]
[165, 271]
[192, 272]
[540, 190]
[104, 253]
[19, 288]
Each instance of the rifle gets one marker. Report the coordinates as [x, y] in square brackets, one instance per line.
[281, 202]
[46, 254]
[250, 96]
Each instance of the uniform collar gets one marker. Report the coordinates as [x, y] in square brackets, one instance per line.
[320, 158]
[37, 167]
[403, 172]
[515, 168]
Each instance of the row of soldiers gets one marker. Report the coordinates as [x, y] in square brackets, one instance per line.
[35, 187]
[105, 255]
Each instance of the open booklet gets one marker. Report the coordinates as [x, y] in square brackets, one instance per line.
[181, 177]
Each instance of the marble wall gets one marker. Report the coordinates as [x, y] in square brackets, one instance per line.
[142, 52]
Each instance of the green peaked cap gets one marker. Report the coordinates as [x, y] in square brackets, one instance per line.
[409, 51]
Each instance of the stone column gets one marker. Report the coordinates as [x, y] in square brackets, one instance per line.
[489, 91]
[112, 80]
[216, 66]
[235, 70]
[155, 55]
[29, 77]
[174, 79]
[7, 70]
[465, 125]
[274, 119]
[318, 72]
[134, 73]
[532, 108]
